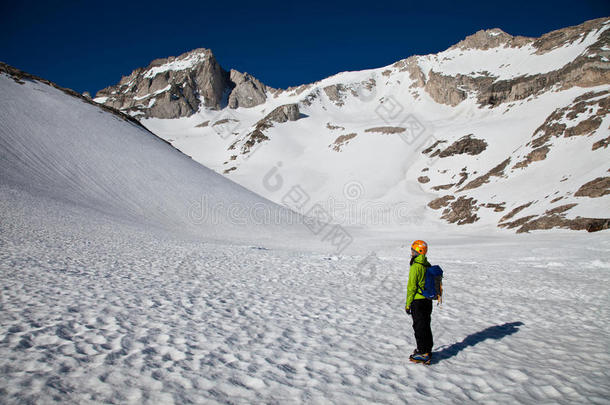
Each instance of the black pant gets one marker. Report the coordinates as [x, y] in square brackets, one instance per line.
[421, 310]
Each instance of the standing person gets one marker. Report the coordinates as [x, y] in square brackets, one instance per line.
[418, 306]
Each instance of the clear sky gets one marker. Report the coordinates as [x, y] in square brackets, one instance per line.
[88, 45]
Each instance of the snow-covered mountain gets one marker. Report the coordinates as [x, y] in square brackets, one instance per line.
[495, 131]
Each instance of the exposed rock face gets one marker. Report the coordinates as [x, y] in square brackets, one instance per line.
[336, 93]
[178, 86]
[248, 91]
[465, 145]
[534, 156]
[497, 207]
[515, 211]
[452, 90]
[603, 143]
[587, 70]
[582, 117]
[561, 209]
[486, 39]
[443, 187]
[291, 91]
[431, 148]
[440, 202]
[309, 99]
[341, 141]
[415, 73]
[386, 130]
[333, 127]
[557, 220]
[595, 188]
[558, 38]
[463, 211]
[283, 113]
[496, 171]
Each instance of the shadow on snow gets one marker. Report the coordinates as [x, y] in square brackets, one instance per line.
[496, 332]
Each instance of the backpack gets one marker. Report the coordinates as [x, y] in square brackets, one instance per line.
[433, 287]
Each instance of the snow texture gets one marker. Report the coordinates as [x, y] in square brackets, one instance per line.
[117, 316]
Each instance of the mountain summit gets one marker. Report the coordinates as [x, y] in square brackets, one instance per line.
[179, 86]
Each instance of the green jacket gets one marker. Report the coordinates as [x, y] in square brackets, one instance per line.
[417, 279]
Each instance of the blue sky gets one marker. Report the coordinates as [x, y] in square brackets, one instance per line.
[88, 45]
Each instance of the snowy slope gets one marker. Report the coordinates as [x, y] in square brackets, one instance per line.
[54, 146]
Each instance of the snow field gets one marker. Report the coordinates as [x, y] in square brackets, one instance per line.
[90, 319]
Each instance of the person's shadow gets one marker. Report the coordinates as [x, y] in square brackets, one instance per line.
[493, 332]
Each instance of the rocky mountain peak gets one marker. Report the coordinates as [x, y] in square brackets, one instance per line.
[491, 38]
[178, 86]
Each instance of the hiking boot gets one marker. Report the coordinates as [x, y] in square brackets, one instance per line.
[420, 358]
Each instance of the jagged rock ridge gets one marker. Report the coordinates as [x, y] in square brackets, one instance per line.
[179, 86]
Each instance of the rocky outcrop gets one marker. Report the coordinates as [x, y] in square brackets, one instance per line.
[283, 113]
[465, 145]
[515, 211]
[594, 188]
[452, 90]
[497, 171]
[179, 86]
[497, 207]
[416, 75]
[534, 156]
[336, 93]
[386, 130]
[432, 147]
[341, 141]
[602, 143]
[461, 211]
[492, 38]
[582, 117]
[333, 127]
[248, 91]
[561, 37]
[171, 87]
[440, 202]
[557, 220]
[311, 97]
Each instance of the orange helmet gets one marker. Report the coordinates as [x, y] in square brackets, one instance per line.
[420, 247]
